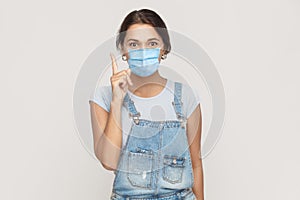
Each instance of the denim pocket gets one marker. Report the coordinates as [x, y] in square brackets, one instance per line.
[140, 166]
[173, 168]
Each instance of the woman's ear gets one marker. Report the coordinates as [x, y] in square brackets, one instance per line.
[164, 51]
[124, 57]
[124, 54]
[163, 54]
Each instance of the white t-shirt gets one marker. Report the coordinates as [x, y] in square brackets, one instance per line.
[155, 108]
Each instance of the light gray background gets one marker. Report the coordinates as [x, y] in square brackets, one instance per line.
[255, 45]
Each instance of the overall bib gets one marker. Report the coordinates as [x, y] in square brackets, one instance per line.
[155, 163]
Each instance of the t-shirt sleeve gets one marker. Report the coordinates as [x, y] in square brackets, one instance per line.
[190, 99]
[102, 97]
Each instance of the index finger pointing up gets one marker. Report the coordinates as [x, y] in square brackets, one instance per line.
[113, 63]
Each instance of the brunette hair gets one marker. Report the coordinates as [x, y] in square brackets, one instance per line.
[144, 16]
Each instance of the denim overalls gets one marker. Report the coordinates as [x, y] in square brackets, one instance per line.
[155, 162]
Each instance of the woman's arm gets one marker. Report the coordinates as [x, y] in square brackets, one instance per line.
[107, 146]
[107, 127]
[194, 126]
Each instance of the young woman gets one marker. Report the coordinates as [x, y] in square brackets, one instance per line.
[147, 128]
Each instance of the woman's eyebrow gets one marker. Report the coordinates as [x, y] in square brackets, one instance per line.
[138, 40]
[132, 39]
[153, 39]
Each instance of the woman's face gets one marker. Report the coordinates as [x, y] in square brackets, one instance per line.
[142, 36]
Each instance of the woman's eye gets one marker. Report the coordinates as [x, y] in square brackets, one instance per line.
[153, 43]
[133, 44]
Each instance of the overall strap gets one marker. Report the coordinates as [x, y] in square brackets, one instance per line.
[177, 103]
[129, 105]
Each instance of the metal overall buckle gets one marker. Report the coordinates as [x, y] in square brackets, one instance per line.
[173, 103]
[182, 119]
[135, 117]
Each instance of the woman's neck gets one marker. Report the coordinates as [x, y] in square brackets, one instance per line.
[147, 86]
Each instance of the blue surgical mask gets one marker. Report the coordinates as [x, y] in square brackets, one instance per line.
[143, 62]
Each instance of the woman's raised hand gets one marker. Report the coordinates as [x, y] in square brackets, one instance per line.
[119, 80]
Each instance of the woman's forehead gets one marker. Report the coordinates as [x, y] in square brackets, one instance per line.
[141, 33]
